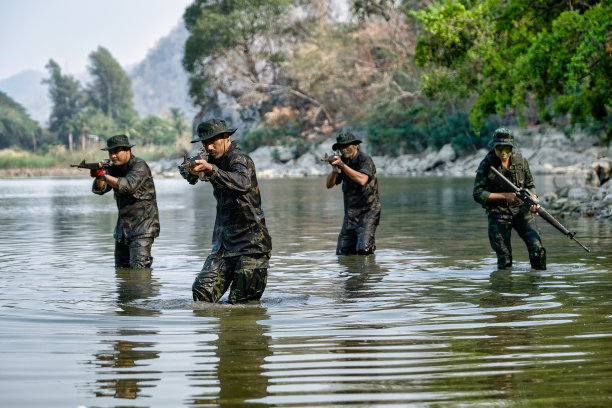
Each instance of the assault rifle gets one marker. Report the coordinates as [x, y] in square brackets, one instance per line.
[189, 162]
[104, 164]
[525, 196]
[330, 159]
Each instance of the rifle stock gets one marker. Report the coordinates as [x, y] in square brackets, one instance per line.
[524, 195]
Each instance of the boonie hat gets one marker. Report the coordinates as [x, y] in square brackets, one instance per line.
[211, 128]
[117, 141]
[502, 137]
[345, 139]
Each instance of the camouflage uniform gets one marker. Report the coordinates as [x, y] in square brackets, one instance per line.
[504, 216]
[241, 245]
[138, 221]
[361, 208]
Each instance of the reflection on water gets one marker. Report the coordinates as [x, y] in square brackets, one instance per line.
[232, 373]
[425, 321]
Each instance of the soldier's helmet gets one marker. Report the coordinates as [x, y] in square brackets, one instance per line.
[502, 137]
[117, 141]
[211, 128]
[345, 139]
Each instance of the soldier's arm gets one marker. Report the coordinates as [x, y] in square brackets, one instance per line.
[131, 181]
[481, 194]
[100, 187]
[238, 178]
[331, 178]
[362, 174]
[356, 176]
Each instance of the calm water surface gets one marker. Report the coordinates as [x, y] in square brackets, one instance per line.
[425, 322]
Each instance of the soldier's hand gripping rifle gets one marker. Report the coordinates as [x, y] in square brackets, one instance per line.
[331, 158]
[104, 164]
[190, 162]
[525, 196]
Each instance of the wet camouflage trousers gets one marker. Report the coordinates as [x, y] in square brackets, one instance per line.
[358, 238]
[500, 231]
[134, 253]
[247, 275]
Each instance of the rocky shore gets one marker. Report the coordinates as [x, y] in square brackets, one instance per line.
[581, 169]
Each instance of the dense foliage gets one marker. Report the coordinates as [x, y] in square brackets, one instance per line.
[408, 75]
[307, 75]
[508, 53]
[233, 29]
[111, 88]
[16, 127]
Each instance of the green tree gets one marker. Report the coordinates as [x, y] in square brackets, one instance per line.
[16, 127]
[507, 53]
[154, 130]
[178, 120]
[234, 30]
[111, 88]
[67, 99]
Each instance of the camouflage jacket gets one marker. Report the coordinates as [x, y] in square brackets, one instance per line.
[486, 183]
[240, 225]
[136, 200]
[360, 200]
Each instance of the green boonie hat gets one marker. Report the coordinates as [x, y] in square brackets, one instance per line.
[345, 139]
[502, 137]
[117, 141]
[211, 128]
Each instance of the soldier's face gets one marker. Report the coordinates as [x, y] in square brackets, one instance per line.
[217, 146]
[348, 152]
[119, 155]
[503, 153]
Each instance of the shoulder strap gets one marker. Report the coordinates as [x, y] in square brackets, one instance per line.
[519, 168]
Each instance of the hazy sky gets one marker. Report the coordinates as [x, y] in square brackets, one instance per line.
[34, 31]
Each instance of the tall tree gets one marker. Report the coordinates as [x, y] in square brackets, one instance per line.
[68, 100]
[178, 120]
[16, 127]
[111, 88]
[235, 30]
[508, 52]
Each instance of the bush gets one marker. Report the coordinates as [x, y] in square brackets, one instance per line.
[267, 136]
[397, 129]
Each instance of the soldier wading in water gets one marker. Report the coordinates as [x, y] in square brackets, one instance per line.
[241, 244]
[138, 223]
[504, 210]
[357, 173]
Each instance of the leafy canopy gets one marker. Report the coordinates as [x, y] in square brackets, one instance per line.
[16, 127]
[508, 51]
[67, 99]
[111, 88]
[218, 26]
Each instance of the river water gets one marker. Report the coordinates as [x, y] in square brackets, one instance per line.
[427, 321]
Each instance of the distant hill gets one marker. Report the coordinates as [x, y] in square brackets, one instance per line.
[28, 90]
[158, 82]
